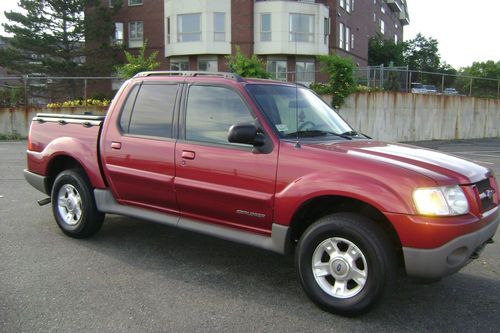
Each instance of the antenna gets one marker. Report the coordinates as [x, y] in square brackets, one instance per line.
[297, 143]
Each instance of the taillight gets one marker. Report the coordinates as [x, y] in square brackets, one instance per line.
[30, 145]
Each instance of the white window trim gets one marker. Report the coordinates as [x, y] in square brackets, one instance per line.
[179, 33]
[341, 35]
[134, 4]
[216, 33]
[179, 60]
[117, 41]
[305, 61]
[347, 38]
[276, 73]
[310, 34]
[136, 41]
[266, 32]
[207, 58]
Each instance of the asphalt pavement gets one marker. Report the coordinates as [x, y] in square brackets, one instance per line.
[136, 276]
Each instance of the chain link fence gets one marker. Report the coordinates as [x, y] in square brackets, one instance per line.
[42, 90]
[31, 90]
[404, 80]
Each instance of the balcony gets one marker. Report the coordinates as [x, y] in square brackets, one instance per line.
[394, 6]
[404, 18]
[273, 34]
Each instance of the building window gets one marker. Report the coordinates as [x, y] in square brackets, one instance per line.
[278, 69]
[347, 38]
[305, 70]
[179, 64]
[301, 28]
[395, 39]
[348, 5]
[352, 41]
[341, 35]
[208, 64]
[382, 26]
[219, 27]
[134, 2]
[189, 28]
[326, 28]
[135, 34]
[265, 27]
[382, 9]
[118, 37]
[168, 30]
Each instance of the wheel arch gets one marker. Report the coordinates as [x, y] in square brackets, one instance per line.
[58, 164]
[320, 206]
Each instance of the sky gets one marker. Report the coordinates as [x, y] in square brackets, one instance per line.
[466, 30]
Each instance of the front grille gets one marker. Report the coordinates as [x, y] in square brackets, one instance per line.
[485, 194]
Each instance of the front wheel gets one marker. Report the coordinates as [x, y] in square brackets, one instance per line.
[344, 262]
[73, 205]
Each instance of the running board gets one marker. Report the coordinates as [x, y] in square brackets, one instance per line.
[278, 242]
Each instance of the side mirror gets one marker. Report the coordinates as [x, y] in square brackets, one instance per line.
[246, 134]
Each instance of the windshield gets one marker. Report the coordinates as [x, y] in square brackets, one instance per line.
[297, 112]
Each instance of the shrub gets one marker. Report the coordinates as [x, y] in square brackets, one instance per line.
[341, 77]
[137, 64]
[247, 67]
[80, 102]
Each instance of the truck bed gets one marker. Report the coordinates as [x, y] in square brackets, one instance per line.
[65, 136]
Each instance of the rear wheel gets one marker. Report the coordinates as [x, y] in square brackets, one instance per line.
[73, 205]
[344, 262]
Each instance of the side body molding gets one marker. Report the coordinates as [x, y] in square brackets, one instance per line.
[278, 242]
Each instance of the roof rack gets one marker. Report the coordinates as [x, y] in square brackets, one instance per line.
[226, 75]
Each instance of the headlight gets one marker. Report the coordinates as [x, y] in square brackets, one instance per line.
[441, 201]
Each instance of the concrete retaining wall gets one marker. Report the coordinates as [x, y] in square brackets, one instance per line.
[383, 116]
[416, 117]
[15, 122]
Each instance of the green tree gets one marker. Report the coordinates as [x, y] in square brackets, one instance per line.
[385, 51]
[137, 64]
[341, 77]
[49, 37]
[247, 67]
[481, 88]
[422, 54]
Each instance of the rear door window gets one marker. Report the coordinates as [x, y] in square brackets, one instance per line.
[153, 111]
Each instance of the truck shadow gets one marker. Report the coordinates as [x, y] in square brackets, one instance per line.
[458, 303]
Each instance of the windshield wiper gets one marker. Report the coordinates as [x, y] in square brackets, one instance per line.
[355, 133]
[315, 133]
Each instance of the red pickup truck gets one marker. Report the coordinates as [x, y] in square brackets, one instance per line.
[267, 164]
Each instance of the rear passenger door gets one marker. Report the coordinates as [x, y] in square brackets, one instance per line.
[139, 148]
[218, 181]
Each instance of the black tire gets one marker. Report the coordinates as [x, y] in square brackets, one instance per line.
[76, 214]
[339, 232]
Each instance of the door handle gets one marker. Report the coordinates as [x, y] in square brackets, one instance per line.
[116, 145]
[188, 155]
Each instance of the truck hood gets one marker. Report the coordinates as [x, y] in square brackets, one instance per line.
[443, 168]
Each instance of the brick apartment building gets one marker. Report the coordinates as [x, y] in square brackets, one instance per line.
[286, 34]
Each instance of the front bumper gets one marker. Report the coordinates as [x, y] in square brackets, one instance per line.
[450, 257]
[37, 181]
